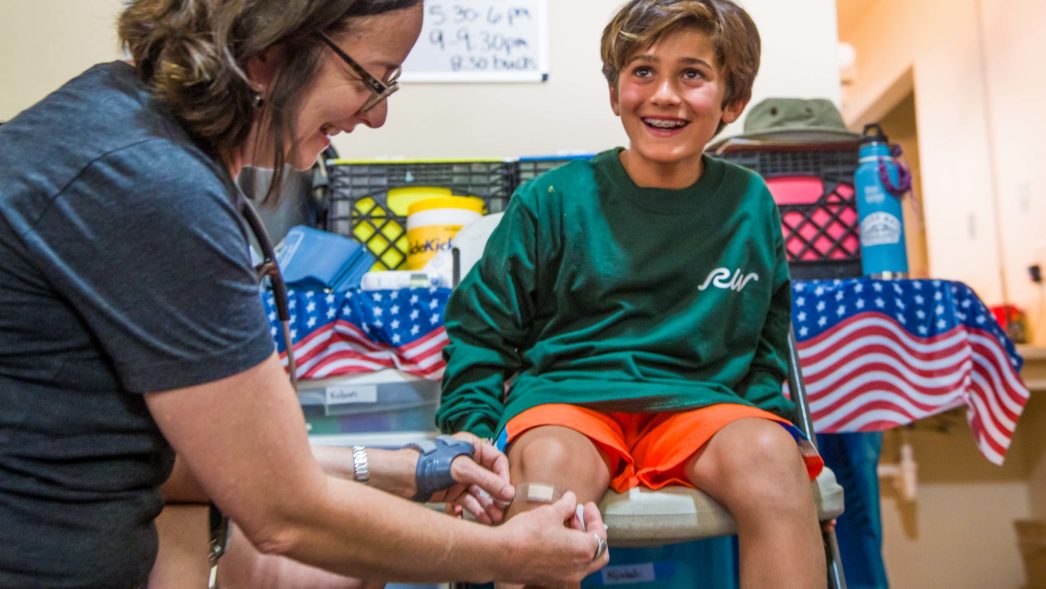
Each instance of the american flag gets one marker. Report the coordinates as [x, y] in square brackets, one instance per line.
[877, 354]
[363, 331]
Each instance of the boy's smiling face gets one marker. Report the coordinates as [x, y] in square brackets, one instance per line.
[670, 100]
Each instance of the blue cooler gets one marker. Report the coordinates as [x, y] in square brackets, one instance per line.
[705, 564]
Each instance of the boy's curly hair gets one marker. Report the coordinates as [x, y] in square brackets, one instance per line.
[641, 23]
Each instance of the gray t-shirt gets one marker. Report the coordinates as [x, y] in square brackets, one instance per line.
[124, 269]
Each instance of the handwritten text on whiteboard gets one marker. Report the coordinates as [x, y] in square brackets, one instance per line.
[479, 36]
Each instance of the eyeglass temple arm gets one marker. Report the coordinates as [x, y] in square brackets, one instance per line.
[279, 289]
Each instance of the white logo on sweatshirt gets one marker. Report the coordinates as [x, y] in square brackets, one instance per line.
[721, 278]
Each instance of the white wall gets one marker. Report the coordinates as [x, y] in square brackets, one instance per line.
[1016, 93]
[571, 112]
[45, 42]
[978, 95]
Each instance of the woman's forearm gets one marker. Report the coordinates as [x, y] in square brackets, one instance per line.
[391, 471]
[336, 531]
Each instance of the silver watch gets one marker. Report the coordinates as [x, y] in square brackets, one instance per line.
[360, 469]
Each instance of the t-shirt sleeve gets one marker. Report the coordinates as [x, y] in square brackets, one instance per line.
[146, 245]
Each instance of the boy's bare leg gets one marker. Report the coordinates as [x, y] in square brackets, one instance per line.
[753, 469]
[560, 457]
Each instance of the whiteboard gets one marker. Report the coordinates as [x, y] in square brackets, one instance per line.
[481, 41]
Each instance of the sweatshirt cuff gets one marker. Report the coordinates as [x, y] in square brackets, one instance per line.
[481, 431]
[481, 428]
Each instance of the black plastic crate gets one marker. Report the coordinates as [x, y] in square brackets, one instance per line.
[532, 167]
[360, 205]
[814, 189]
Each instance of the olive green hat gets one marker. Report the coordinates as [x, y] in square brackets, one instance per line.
[790, 121]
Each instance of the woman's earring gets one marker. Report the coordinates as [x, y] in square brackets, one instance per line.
[257, 101]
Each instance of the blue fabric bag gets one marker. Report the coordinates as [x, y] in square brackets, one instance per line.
[313, 259]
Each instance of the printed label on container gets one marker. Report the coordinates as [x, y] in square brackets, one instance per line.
[880, 229]
[346, 395]
[628, 573]
[873, 194]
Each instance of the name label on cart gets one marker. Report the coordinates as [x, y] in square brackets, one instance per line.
[629, 574]
[346, 395]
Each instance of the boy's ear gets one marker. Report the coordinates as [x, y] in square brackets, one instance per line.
[733, 110]
[615, 105]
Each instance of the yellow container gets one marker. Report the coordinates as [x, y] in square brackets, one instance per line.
[433, 222]
[400, 199]
[382, 229]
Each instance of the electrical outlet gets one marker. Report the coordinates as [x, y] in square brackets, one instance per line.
[1035, 273]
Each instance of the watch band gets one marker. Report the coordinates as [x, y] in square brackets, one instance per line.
[360, 468]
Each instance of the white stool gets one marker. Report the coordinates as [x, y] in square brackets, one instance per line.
[641, 517]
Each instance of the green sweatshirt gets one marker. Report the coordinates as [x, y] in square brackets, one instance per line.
[593, 291]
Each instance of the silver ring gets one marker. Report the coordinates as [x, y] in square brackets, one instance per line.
[601, 546]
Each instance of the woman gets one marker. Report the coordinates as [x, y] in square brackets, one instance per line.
[131, 327]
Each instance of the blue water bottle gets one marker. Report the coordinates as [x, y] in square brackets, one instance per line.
[880, 183]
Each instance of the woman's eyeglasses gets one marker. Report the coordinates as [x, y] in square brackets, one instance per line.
[380, 90]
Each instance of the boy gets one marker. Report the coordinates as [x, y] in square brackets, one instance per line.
[641, 299]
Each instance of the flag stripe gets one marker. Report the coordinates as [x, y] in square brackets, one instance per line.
[990, 358]
[984, 432]
[942, 375]
[876, 324]
[867, 385]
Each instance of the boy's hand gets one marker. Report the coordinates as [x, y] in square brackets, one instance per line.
[482, 483]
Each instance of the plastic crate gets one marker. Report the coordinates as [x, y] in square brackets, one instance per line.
[357, 406]
[532, 167]
[814, 189]
[360, 205]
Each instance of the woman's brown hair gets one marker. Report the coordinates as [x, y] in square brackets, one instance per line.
[193, 55]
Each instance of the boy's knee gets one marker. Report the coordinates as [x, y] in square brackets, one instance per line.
[769, 469]
[555, 456]
[544, 453]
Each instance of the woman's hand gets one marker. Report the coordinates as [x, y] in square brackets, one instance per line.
[482, 486]
[546, 552]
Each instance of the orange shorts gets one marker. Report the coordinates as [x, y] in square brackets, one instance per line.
[650, 449]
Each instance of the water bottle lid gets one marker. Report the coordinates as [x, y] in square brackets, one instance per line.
[876, 135]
